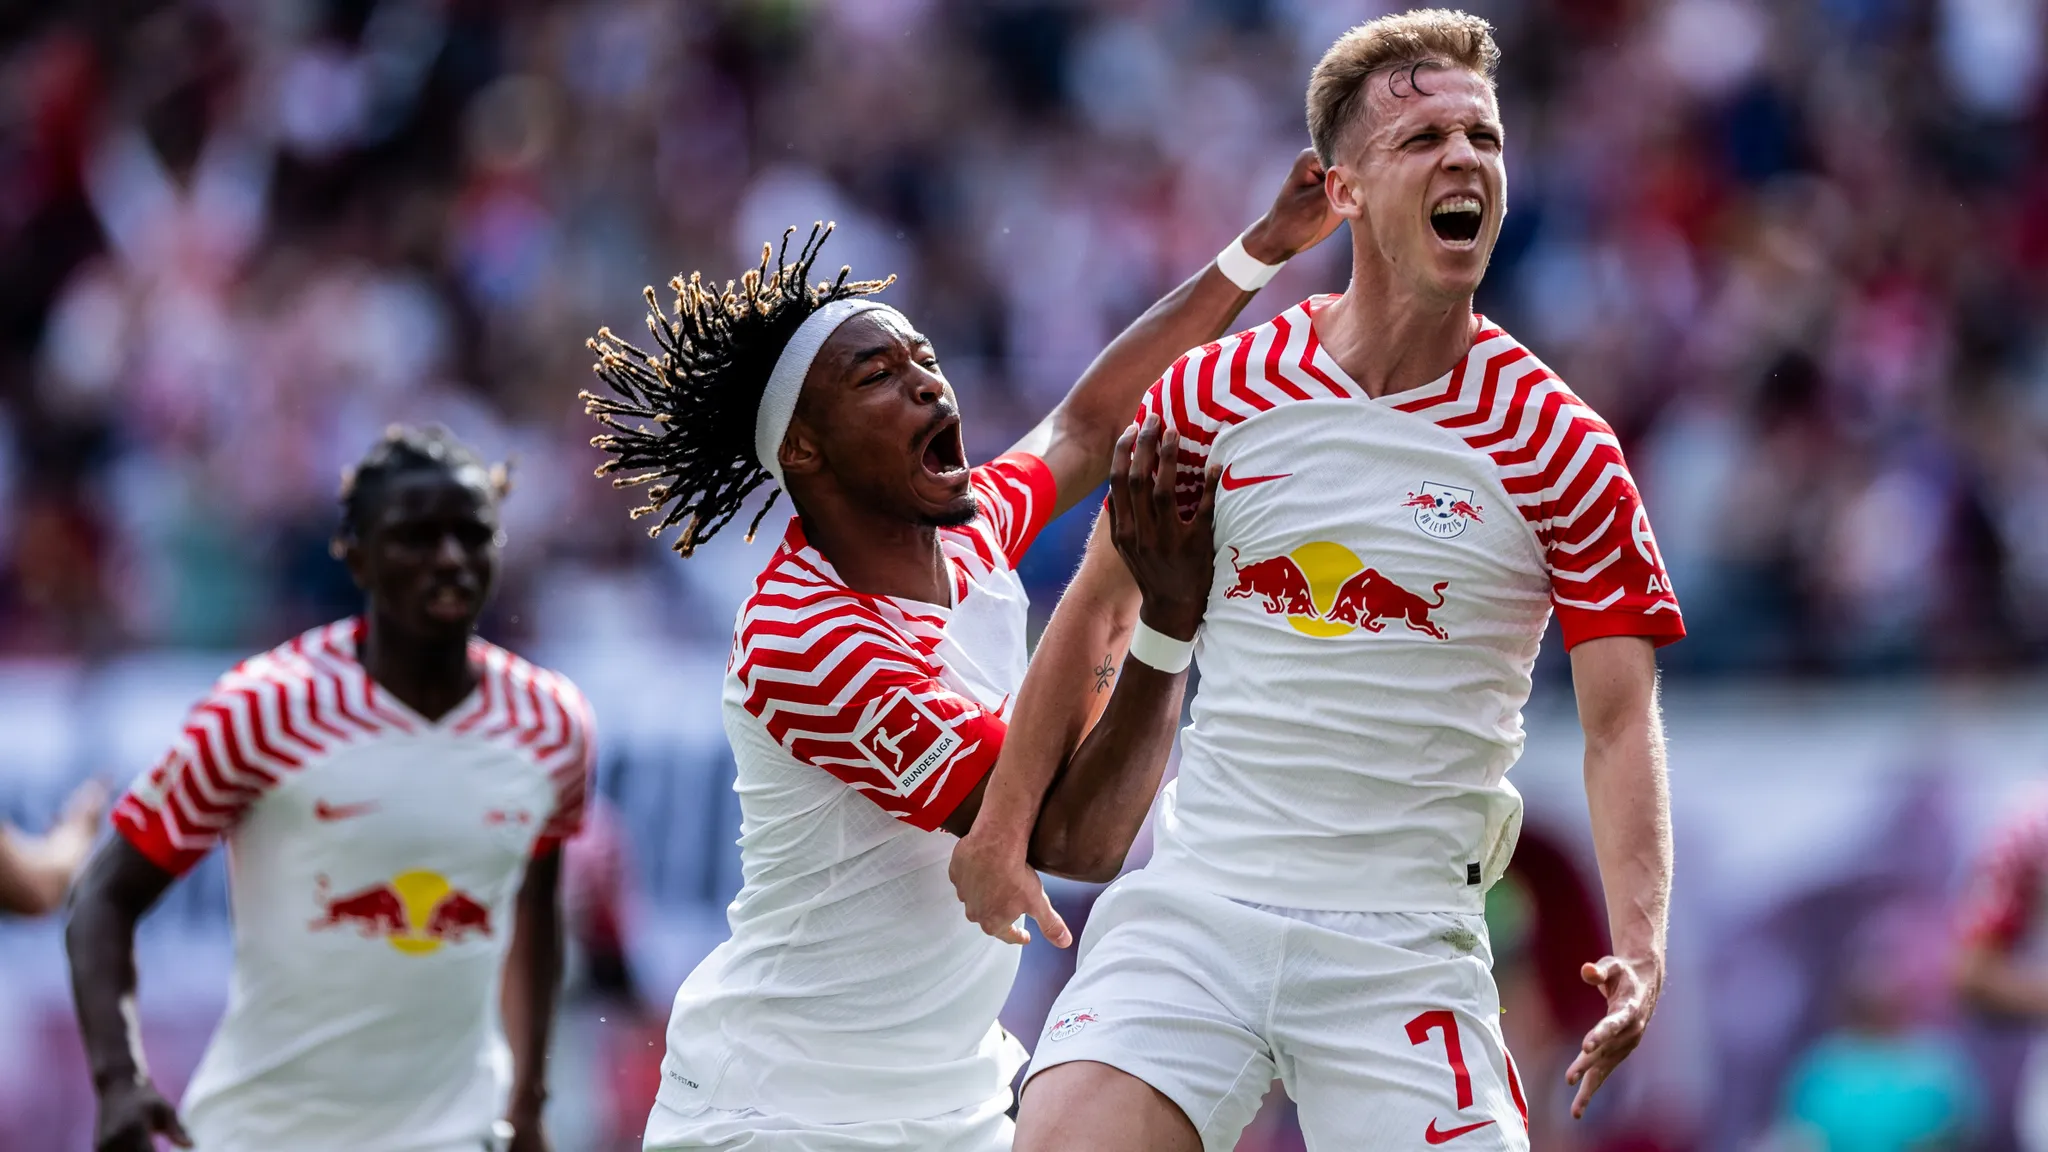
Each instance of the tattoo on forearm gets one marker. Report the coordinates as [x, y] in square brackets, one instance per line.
[1104, 674]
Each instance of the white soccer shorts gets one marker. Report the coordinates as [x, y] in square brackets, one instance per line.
[1383, 1027]
[986, 1128]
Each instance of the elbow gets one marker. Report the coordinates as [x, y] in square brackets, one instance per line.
[1057, 852]
[88, 914]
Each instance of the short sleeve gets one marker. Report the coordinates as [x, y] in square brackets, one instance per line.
[2005, 885]
[1184, 399]
[1607, 576]
[844, 693]
[218, 766]
[570, 760]
[1017, 494]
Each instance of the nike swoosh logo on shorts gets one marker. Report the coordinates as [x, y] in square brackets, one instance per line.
[328, 813]
[1436, 1137]
[1231, 483]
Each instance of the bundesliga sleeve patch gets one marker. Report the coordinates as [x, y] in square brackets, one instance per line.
[905, 740]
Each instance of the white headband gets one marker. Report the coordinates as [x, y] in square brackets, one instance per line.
[778, 400]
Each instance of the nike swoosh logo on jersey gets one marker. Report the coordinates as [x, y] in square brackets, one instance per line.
[1436, 1137]
[1233, 483]
[328, 813]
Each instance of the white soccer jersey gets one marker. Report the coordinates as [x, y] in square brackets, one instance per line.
[853, 989]
[375, 860]
[1385, 571]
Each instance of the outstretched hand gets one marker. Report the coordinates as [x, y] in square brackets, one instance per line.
[1300, 218]
[1631, 987]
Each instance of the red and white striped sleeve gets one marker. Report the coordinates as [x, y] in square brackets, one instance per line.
[229, 753]
[1017, 494]
[569, 754]
[1563, 467]
[1607, 577]
[841, 690]
[2005, 886]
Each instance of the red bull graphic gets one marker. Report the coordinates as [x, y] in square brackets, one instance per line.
[1325, 590]
[415, 912]
[1443, 510]
[1368, 600]
[1280, 581]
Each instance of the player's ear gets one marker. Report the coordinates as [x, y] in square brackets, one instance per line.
[799, 454]
[347, 549]
[1346, 191]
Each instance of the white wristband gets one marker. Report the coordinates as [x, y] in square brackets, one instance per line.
[1156, 648]
[1243, 269]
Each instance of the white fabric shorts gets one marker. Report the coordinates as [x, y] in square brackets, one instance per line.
[986, 1128]
[1383, 1027]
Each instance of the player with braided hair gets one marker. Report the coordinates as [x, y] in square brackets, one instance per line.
[395, 792]
[872, 670]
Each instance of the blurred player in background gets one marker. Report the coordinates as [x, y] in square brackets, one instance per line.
[871, 676]
[1406, 496]
[394, 793]
[35, 871]
[2003, 963]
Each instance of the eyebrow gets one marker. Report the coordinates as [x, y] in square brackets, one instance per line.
[867, 354]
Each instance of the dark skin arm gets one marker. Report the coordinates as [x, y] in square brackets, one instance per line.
[1085, 781]
[533, 979]
[117, 887]
[1076, 439]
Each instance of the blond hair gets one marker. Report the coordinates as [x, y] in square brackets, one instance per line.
[1401, 42]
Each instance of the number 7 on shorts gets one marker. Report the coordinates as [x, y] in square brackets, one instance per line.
[1441, 1018]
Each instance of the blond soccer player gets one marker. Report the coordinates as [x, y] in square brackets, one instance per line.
[1405, 496]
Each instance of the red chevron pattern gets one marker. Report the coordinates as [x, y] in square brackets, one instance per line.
[274, 714]
[849, 682]
[1558, 460]
[1563, 467]
[2002, 906]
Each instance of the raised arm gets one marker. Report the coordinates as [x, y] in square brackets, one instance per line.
[1077, 774]
[1075, 440]
[1615, 678]
[119, 884]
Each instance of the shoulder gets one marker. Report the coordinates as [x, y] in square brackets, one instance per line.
[547, 688]
[1503, 401]
[293, 671]
[538, 708]
[1229, 381]
[801, 624]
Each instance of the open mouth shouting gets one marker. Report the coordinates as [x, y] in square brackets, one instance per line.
[1456, 220]
[940, 450]
[450, 603]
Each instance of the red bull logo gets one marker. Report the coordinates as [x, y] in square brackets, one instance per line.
[415, 912]
[1325, 590]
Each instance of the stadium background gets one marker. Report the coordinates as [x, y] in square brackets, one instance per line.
[1791, 249]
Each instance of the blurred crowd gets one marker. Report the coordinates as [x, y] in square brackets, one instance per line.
[1790, 249]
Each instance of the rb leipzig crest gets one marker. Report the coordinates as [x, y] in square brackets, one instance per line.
[1443, 510]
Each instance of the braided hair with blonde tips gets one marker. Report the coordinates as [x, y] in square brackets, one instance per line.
[681, 418]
